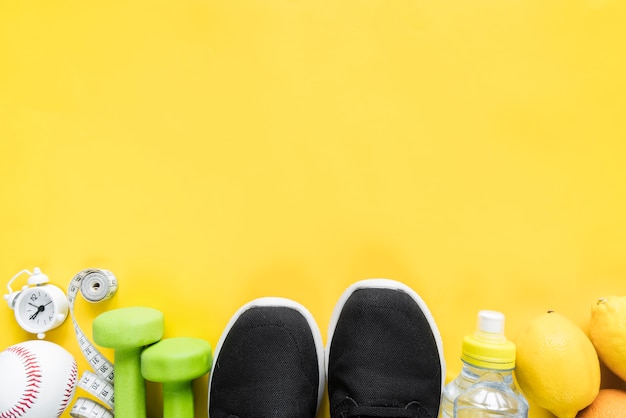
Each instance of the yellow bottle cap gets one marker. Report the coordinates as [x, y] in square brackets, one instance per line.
[488, 347]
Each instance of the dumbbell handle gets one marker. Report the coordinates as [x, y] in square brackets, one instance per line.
[178, 400]
[130, 387]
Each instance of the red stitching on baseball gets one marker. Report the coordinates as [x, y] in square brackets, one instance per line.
[69, 389]
[33, 380]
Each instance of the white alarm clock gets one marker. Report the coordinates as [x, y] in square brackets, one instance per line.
[39, 306]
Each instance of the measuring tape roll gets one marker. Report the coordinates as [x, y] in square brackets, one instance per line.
[96, 285]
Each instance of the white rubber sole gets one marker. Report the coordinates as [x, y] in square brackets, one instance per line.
[285, 303]
[385, 284]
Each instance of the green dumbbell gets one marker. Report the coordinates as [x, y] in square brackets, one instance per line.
[128, 331]
[175, 362]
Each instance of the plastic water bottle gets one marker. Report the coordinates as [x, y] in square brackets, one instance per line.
[485, 387]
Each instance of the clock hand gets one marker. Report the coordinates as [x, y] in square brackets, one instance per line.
[40, 308]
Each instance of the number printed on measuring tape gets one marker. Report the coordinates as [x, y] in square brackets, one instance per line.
[97, 387]
[95, 285]
[86, 408]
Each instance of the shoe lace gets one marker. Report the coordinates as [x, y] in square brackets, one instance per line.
[411, 410]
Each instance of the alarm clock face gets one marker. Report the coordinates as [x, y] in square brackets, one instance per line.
[36, 309]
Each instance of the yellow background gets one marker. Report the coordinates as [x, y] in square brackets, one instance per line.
[211, 152]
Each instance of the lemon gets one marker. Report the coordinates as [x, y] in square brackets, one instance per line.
[607, 330]
[609, 403]
[557, 367]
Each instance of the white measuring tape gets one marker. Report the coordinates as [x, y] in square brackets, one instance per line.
[86, 408]
[95, 285]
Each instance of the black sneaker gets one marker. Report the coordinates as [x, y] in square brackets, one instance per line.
[384, 356]
[268, 363]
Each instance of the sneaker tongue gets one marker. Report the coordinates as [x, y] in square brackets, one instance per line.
[360, 411]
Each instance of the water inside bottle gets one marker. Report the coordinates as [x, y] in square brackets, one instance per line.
[490, 397]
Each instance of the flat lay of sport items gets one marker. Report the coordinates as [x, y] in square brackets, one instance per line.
[383, 357]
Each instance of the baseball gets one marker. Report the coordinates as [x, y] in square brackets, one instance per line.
[37, 380]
